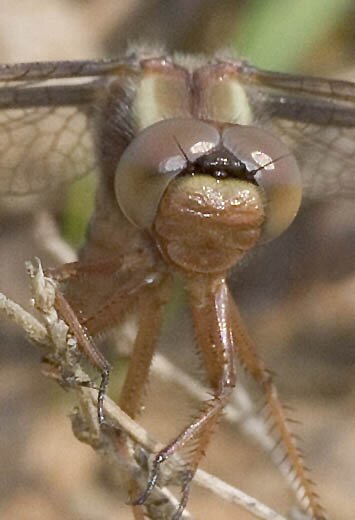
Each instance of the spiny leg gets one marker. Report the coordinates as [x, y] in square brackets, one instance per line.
[87, 346]
[149, 327]
[212, 325]
[103, 315]
[151, 301]
[151, 307]
[208, 300]
[248, 356]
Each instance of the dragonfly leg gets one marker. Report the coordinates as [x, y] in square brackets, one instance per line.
[149, 327]
[213, 333]
[136, 381]
[87, 346]
[80, 269]
[92, 312]
[247, 353]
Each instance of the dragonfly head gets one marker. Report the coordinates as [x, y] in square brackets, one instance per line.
[208, 192]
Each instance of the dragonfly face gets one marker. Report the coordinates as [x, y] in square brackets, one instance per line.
[198, 161]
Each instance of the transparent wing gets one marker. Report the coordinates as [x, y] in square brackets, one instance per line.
[316, 118]
[46, 112]
[326, 157]
[43, 147]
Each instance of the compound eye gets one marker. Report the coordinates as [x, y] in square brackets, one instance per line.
[276, 172]
[156, 156]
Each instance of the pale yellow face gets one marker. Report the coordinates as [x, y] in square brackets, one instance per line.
[206, 225]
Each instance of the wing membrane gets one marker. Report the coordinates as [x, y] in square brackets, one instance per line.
[326, 156]
[45, 70]
[316, 118]
[43, 147]
[46, 111]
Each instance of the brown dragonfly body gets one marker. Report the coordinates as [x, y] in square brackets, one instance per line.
[196, 167]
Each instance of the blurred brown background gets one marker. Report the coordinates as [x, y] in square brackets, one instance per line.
[298, 295]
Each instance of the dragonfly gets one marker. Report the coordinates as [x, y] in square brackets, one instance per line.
[199, 160]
